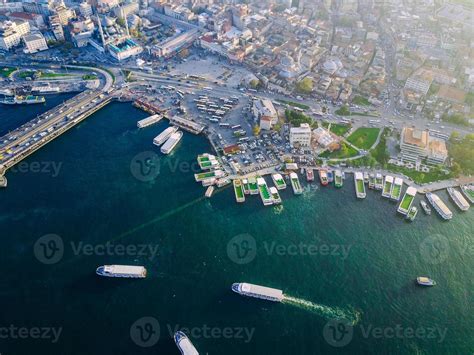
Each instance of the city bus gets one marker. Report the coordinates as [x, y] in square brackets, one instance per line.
[237, 126]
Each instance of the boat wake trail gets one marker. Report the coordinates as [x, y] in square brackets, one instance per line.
[352, 316]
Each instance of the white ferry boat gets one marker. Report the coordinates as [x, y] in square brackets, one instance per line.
[251, 290]
[378, 181]
[397, 189]
[253, 185]
[264, 192]
[245, 184]
[276, 199]
[184, 344]
[209, 191]
[425, 207]
[149, 121]
[171, 143]
[371, 181]
[439, 206]
[359, 184]
[163, 136]
[387, 186]
[239, 191]
[279, 181]
[295, 184]
[126, 271]
[458, 199]
[407, 200]
[468, 191]
[208, 182]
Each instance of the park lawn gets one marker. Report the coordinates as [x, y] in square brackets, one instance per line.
[345, 152]
[360, 100]
[294, 104]
[54, 75]
[364, 137]
[418, 176]
[6, 71]
[340, 129]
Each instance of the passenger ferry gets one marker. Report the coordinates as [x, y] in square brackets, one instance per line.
[387, 186]
[126, 271]
[239, 191]
[397, 189]
[276, 199]
[264, 192]
[209, 191]
[330, 176]
[338, 180]
[184, 344]
[279, 181]
[371, 181]
[207, 161]
[295, 184]
[209, 174]
[468, 191]
[171, 143]
[425, 207]
[149, 121]
[323, 177]
[253, 186]
[458, 199]
[439, 206]
[309, 175]
[407, 200]
[163, 136]
[262, 292]
[366, 177]
[245, 184]
[359, 185]
[378, 181]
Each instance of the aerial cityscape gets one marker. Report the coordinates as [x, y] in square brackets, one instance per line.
[160, 159]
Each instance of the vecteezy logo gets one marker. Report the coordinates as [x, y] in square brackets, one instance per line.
[434, 249]
[145, 166]
[242, 249]
[49, 249]
[338, 333]
[145, 332]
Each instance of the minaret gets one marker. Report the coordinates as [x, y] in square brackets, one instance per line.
[101, 32]
[125, 19]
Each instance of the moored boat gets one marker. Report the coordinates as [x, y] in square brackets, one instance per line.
[163, 136]
[397, 189]
[425, 281]
[276, 199]
[338, 180]
[330, 176]
[412, 213]
[279, 181]
[407, 200]
[209, 191]
[309, 175]
[371, 181]
[253, 185]
[295, 184]
[245, 184]
[387, 186]
[366, 177]
[323, 176]
[439, 206]
[425, 207]
[172, 142]
[378, 181]
[239, 191]
[359, 184]
[264, 191]
[468, 191]
[458, 199]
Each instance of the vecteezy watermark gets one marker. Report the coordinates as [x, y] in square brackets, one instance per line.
[339, 333]
[242, 249]
[50, 248]
[38, 167]
[145, 332]
[146, 166]
[434, 249]
[208, 332]
[310, 249]
[46, 333]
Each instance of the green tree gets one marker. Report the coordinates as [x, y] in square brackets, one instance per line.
[254, 83]
[305, 86]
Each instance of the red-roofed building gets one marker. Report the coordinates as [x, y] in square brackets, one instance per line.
[35, 20]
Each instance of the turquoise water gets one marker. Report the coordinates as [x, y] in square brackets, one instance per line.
[349, 296]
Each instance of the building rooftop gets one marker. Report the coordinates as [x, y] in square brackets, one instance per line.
[415, 137]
